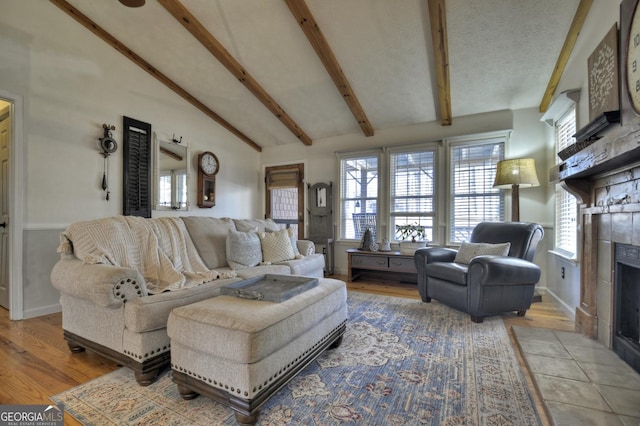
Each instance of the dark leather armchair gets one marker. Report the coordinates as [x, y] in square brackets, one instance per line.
[487, 285]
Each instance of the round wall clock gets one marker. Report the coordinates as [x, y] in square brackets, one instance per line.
[209, 163]
[633, 59]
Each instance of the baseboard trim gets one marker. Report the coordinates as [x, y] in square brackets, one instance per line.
[42, 310]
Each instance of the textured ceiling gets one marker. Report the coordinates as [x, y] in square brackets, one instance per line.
[501, 56]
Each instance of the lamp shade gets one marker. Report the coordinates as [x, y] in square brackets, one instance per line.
[518, 171]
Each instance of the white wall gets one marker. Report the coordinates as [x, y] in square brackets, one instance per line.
[528, 139]
[564, 274]
[71, 83]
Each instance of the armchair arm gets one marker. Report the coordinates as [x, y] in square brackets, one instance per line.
[434, 254]
[502, 270]
[426, 255]
[104, 285]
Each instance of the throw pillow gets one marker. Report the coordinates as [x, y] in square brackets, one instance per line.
[468, 251]
[243, 249]
[276, 246]
[293, 237]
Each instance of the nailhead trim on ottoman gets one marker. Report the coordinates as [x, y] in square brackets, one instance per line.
[239, 352]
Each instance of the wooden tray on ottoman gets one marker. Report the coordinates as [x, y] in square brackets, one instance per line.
[270, 287]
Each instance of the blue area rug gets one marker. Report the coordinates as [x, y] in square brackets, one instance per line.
[401, 362]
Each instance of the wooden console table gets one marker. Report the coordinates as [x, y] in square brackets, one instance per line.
[390, 265]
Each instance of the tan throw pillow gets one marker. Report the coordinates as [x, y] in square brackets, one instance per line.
[468, 251]
[276, 246]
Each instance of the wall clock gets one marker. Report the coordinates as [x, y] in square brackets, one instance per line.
[208, 167]
[630, 63]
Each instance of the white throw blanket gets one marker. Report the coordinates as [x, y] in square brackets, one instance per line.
[160, 249]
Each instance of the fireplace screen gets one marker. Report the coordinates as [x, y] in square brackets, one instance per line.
[626, 337]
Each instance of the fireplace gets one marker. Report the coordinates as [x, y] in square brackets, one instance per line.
[605, 177]
[626, 308]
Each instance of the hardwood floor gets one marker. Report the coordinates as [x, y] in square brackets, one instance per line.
[36, 363]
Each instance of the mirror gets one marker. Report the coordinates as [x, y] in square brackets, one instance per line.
[171, 175]
[321, 197]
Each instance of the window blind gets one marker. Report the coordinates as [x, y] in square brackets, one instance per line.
[566, 206]
[412, 178]
[473, 198]
[359, 179]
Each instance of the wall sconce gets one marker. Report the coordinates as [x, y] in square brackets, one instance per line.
[516, 173]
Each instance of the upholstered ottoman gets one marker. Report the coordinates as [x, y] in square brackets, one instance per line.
[240, 352]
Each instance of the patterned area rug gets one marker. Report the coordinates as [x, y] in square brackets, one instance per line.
[402, 362]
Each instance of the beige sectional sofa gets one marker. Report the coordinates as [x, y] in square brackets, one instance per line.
[120, 277]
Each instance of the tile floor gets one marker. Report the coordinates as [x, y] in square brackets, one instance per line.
[580, 381]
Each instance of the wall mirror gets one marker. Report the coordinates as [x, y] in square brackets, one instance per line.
[171, 174]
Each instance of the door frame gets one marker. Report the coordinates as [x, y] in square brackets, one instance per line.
[301, 192]
[16, 204]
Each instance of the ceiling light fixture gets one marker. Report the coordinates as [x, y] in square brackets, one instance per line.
[132, 3]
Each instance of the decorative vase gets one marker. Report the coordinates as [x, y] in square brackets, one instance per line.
[409, 247]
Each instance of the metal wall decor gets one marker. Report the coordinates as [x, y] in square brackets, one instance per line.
[108, 146]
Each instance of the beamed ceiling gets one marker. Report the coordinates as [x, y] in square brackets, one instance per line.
[276, 72]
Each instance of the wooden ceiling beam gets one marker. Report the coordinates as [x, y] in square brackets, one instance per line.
[135, 58]
[191, 23]
[310, 27]
[567, 48]
[438, 23]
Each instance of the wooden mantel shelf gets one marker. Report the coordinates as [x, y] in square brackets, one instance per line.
[620, 147]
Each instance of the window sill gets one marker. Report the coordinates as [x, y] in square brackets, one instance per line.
[565, 256]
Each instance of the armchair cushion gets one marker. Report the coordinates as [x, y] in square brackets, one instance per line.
[468, 251]
[456, 273]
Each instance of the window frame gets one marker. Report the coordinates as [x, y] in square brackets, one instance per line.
[342, 222]
[442, 199]
[409, 149]
[471, 141]
[562, 196]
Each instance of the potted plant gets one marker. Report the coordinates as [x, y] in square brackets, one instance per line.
[412, 236]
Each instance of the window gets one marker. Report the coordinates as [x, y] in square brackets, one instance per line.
[566, 206]
[473, 198]
[412, 175]
[172, 183]
[417, 185]
[359, 181]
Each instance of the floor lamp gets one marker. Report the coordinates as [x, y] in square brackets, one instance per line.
[516, 173]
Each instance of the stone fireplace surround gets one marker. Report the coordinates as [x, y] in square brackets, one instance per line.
[605, 178]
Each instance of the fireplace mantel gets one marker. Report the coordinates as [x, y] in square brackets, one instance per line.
[619, 147]
[604, 177]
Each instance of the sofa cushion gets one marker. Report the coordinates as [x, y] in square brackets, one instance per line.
[243, 249]
[151, 313]
[209, 235]
[308, 266]
[276, 246]
[468, 251]
[259, 225]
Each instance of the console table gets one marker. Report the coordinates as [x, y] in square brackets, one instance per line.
[391, 265]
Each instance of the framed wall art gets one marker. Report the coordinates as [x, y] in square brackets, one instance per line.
[603, 76]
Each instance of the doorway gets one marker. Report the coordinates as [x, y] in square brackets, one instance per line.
[5, 146]
[12, 199]
[284, 198]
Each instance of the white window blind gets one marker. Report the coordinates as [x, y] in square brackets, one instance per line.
[412, 175]
[359, 179]
[473, 198]
[566, 206]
